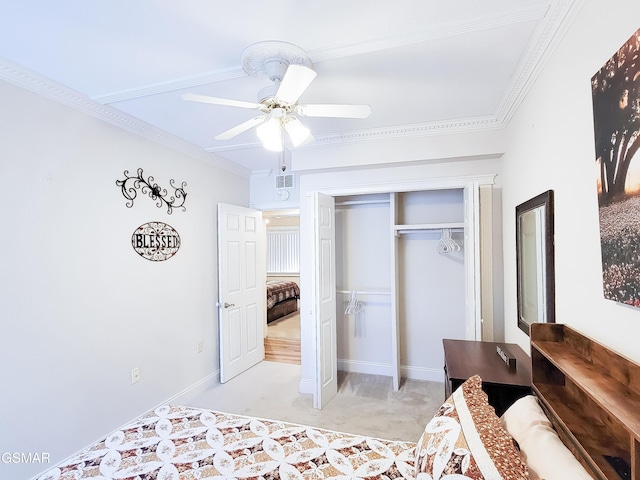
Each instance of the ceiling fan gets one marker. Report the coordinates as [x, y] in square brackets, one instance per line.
[289, 68]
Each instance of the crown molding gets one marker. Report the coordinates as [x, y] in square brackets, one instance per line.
[545, 40]
[332, 53]
[23, 78]
[463, 125]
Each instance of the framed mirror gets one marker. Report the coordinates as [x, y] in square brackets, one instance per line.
[535, 261]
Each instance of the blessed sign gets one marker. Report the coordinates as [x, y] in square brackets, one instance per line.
[155, 241]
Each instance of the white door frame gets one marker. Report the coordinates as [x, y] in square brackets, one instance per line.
[470, 184]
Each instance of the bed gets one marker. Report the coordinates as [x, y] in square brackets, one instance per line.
[555, 434]
[178, 442]
[282, 299]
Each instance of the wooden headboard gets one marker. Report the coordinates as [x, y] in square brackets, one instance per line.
[592, 396]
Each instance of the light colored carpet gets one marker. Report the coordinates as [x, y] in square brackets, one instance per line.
[365, 404]
[285, 327]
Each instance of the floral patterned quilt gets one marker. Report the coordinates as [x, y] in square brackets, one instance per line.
[184, 443]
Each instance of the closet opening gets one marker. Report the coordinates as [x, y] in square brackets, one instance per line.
[400, 281]
[282, 322]
[418, 211]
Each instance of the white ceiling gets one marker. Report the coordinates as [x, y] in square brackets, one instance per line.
[422, 65]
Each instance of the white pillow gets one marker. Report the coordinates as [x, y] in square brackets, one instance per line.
[542, 450]
[522, 415]
[548, 458]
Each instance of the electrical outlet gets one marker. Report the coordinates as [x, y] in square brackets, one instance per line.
[135, 375]
[199, 346]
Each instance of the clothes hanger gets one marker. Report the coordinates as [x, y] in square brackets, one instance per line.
[446, 244]
[354, 305]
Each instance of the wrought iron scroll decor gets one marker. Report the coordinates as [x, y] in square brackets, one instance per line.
[131, 184]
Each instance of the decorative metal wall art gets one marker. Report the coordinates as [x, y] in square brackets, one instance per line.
[131, 184]
[155, 241]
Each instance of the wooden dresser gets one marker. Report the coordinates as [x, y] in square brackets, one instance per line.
[503, 385]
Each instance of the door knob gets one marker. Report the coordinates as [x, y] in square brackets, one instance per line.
[227, 305]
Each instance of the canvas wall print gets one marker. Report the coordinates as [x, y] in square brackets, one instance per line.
[616, 117]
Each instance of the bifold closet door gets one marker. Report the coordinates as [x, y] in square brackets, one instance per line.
[324, 293]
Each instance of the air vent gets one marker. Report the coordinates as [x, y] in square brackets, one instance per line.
[284, 181]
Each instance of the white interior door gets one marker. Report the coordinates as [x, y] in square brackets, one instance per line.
[241, 289]
[324, 291]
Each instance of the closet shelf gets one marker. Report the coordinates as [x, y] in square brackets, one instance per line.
[348, 203]
[365, 292]
[427, 226]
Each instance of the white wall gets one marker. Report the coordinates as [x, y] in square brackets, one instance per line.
[79, 308]
[551, 147]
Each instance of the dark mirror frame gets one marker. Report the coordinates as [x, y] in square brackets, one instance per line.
[544, 199]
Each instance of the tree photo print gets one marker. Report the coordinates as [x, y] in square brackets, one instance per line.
[616, 116]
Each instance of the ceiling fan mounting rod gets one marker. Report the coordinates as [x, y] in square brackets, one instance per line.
[275, 69]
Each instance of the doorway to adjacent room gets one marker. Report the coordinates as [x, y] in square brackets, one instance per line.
[282, 339]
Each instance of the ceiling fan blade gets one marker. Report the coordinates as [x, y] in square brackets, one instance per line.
[328, 110]
[238, 129]
[296, 80]
[192, 97]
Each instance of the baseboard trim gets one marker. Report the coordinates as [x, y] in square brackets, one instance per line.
[407, 371]
[371, 368]
[421, 373]
[191, 392]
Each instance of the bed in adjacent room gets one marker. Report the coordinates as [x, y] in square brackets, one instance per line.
[282, 299]
[580, 424]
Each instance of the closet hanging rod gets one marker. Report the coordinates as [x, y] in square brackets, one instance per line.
[363, 292]
[399, 229]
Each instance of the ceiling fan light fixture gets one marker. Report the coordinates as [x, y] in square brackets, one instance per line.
[270, 133]
[268, 129]
[273, 145]
[297, 132]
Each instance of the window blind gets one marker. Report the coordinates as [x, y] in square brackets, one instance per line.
[283, 250]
